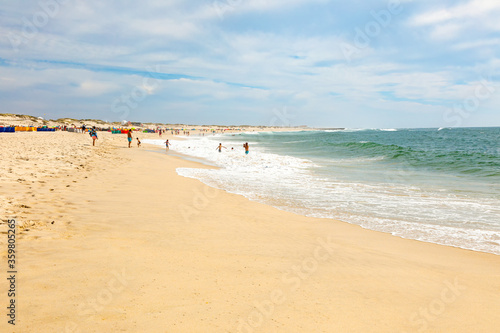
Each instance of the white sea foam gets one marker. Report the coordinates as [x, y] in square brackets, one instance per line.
[233, 157]
[291, 184]
[356, 160]
[351, 130]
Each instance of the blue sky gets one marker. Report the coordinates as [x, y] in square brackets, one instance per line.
[356, 64]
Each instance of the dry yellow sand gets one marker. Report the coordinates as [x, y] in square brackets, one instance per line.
[136, 248]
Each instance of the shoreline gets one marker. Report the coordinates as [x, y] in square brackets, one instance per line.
[139, 248]
[299, 210]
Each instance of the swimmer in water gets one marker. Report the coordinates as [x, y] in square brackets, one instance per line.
[220, 147]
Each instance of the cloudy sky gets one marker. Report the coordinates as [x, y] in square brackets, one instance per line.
[356, 64]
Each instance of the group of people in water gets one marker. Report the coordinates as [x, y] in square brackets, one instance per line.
[93, 135]
[245, 145]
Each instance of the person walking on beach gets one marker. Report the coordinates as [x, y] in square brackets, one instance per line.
[220, 147]
[129, 138]
[245, 145]
[83, 128]
[167, 145]
[138, 143]
[93, 135]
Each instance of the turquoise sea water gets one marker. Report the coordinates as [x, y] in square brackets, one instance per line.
[456, 159]
[435, 185]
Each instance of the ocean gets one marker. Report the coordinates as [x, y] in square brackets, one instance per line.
[435, 185]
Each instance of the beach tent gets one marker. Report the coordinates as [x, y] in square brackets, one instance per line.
[7, 129]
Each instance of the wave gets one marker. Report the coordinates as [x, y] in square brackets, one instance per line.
[403, 208]
[462, 162]
[348, 130]
[356, 160]
[297, 141]
[233, 155]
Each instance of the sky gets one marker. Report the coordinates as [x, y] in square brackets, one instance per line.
[353, 64]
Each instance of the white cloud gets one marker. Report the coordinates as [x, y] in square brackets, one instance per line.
[285, 65]
[477, 44]
[471, 9]
[166, 28]
[219, 9]
[437, 16]
[455, 21]
[97, 88]
[447, 31]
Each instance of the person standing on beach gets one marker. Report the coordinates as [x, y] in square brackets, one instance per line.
[220, 147]
[167, 145]
[129, 138]
[93, 135]
[83, 128]
[245, 145]
[138, 143]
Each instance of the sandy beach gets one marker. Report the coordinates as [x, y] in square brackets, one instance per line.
[112, 239]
